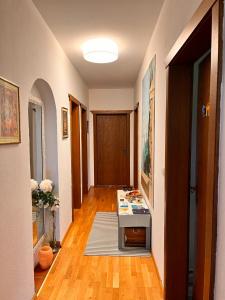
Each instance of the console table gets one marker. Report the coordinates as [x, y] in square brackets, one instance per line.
[126, 218]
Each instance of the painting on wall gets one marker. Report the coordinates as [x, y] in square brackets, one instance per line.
[64, 122]
[148, 131]
[9, 113]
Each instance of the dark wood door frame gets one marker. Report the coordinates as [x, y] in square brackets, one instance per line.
[136, 118]
[84, 149]
[75, 152]
[203, 32]
[111, 112]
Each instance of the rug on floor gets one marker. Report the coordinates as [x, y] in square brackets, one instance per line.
[103, 238]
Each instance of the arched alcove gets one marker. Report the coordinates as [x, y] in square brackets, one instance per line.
[41, 92]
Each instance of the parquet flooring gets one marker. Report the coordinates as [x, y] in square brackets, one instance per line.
[78, 277]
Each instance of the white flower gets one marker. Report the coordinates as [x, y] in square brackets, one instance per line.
[46, 185]
[40, 204]
[33, 185]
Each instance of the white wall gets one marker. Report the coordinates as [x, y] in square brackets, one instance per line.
[29, 51]
[110, 99]
[173, 18]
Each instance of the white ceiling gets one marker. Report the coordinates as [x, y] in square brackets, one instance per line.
[129, 23]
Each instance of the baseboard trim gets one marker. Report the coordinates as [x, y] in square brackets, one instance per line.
[49, 271]
[157, 273]
[90, 187]
[66, 234]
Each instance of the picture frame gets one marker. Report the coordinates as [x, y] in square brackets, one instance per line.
[9, 113]
[64, 112]
[148, 131]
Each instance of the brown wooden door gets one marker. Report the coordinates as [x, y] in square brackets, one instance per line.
[136, 147]
[201, 34]
[112, 149]
[202, 164]
[75, 154]
[84, 150]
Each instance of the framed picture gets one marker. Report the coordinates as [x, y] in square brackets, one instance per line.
[9, 113]
[148, 131]
[64, 122]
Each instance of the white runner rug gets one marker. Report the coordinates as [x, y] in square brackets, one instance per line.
[103, 238]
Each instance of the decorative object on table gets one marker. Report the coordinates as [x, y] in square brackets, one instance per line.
[132, 195]
[64, 122]
[42, 196]
[148, 131]
[9, 113]
[140, 211]
[127, 188]
[45, 257]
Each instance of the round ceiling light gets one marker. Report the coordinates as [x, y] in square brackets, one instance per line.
[100, 51]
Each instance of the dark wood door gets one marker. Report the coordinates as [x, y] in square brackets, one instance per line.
[136, 147]
[75, 154]
[112, 149]
[84, 150]
[203, 32]
[202, 165]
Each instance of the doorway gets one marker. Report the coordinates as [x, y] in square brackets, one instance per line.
[84, 149]
[75, 152]
[136, 110]
[192, 157]
[112, 148]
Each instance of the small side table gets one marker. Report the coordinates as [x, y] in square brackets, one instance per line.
[129, 219]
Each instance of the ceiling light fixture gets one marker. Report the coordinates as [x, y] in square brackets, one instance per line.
[100, 51]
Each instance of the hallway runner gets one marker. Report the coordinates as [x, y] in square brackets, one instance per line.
[103, 238]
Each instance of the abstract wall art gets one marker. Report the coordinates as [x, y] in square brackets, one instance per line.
[148, 131]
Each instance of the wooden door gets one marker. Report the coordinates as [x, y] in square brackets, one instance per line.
[112, 149]
[136, 147]
[201, 34]
[202, 165]
[75, 153]
[84, 150]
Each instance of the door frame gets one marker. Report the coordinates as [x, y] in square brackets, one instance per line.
[84, 143]
[177, 165]
[110, 112]
[136, 120]
[75, 159]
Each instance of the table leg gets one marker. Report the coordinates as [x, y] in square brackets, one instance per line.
[120, 237]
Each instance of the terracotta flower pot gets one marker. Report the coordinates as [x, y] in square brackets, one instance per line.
[45, 257]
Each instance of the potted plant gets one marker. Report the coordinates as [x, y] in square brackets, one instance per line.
[43, 196]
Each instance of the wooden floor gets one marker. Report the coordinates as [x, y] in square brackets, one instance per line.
[75, 276]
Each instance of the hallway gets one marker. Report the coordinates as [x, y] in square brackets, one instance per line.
[97, 95]
[74, 276]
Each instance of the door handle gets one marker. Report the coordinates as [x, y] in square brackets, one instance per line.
[193, 189]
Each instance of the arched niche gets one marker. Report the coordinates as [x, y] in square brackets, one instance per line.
[42, 91]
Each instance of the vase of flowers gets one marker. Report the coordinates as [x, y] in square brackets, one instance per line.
[43, 196]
